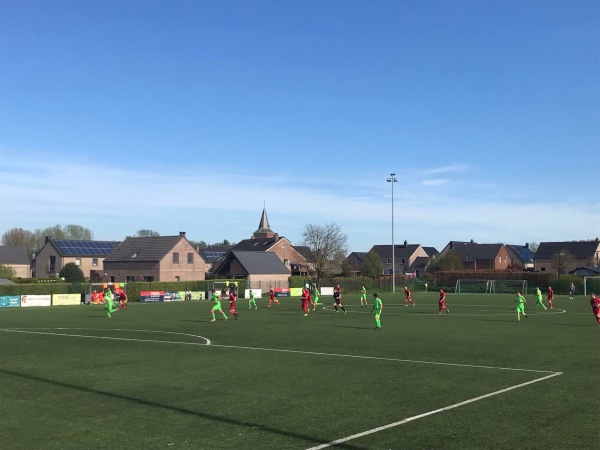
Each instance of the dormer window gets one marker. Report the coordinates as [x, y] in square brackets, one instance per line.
[135, 255]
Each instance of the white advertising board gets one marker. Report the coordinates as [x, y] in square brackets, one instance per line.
[35, 300]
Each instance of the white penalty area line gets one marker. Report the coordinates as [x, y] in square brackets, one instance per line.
[430, 413]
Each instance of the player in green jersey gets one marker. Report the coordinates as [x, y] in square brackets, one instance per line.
[251, 302]
[539, 299]
[363, 296]
[315, 296]
[377, 308]
[110, 303]
[520, 301]
[216, 307]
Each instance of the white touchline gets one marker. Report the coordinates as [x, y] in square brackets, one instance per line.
[420, 416]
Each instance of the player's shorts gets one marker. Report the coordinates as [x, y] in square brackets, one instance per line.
[377, 312]
[363, 296]
[217, 306]
[521, 308]
[338, 301]
[596, 312]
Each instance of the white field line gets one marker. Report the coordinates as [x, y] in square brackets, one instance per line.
[208, 343]
[303, 352]
[421, 416]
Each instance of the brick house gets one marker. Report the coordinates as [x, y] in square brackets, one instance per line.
[562, 257]
[16, 257]
[157, 258]
[355, 261]
[403, 256]
[56, 253]
[479, 256]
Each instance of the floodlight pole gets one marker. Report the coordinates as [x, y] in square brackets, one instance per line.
[392, 179]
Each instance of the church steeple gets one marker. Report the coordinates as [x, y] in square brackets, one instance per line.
[264, 229]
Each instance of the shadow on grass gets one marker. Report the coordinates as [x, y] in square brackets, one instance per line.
[152, 404]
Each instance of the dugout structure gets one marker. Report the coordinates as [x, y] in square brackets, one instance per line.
[591, 284]
[490, 286]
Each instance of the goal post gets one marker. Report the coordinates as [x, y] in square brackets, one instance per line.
[509, 286]
[591, 284]
[465, 286]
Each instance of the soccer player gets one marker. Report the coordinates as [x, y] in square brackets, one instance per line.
[571, 291]
[363, 296]
[595, 304]
[407, 297]
[337, 300]
[539, 300]
[304, 298]
[272, 297]
[216, 307]
[95, 298]
[251, 301]
[110, 303]
[377, 308]
[442, 302]
[123, 298]
[550, 296]
[520, 301]
[316, 296]
[232, 299]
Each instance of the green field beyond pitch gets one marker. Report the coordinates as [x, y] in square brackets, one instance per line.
[161, 376]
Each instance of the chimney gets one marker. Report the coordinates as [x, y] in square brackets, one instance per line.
[451, 245]
[182, 234]
[472, 242]
[527, 245]
[405, 244]
[48, 238]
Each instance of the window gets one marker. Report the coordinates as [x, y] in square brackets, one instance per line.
[542, 269]
[52, 264]
[190, 258]
[403, 261]
[389, 261]
[286, 262]
[499, 258]
[175, 257]
[135, 255]
[129, 278]
[77, 261]
[177, 278]
[94, 261]
[505, 258]
[148, 278]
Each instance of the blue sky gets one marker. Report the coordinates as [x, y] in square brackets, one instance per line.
[191, 115]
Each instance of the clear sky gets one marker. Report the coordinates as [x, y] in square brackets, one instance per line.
[172, 115]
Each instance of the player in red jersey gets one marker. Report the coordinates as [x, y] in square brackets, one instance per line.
[272, 298]
[550, 295]
[407, 298]
[595, 304]
[305, 297]
[442, 303]
[232, 299]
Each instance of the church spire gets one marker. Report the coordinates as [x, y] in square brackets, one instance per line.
[264, 229]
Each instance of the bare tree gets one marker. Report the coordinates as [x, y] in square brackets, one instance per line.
[33, 241]
[328, 246]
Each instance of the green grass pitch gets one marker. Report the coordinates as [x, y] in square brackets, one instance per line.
[148, 379]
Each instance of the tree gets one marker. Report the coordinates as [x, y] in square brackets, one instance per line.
[34, 241]
[7, 272]
[146, 233]
[72, 273]
[564, 261]
[19, 236]
[328, 246]
[372, 266]
[450, 261]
